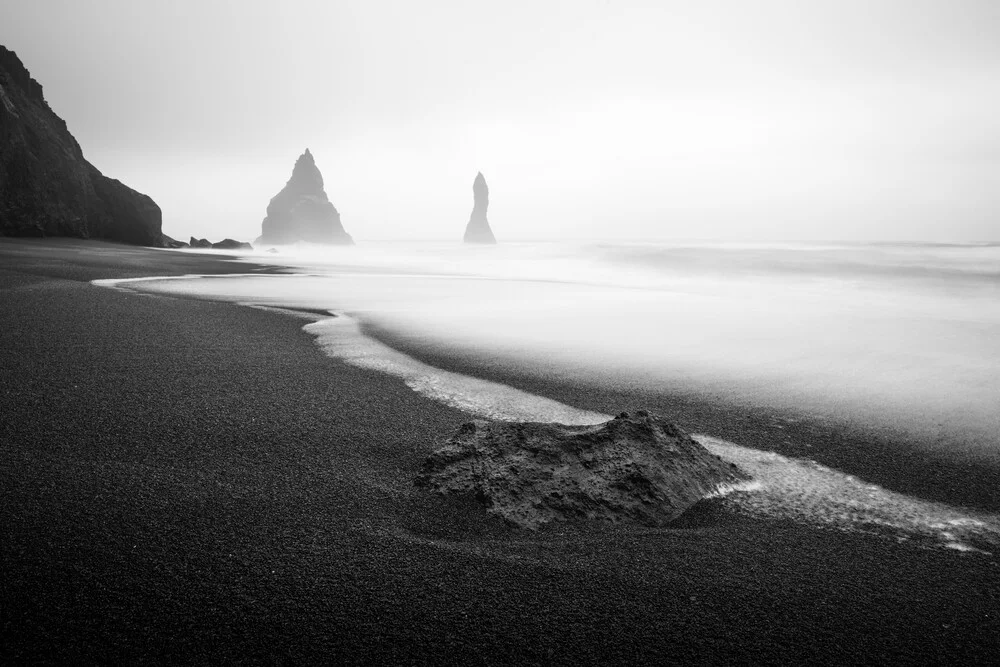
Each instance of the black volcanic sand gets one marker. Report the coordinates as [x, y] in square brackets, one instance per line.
[191, 482]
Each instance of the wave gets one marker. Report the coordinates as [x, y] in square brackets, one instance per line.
[341, 338]
[804, 491]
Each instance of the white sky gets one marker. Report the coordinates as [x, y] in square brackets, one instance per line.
[773, 119]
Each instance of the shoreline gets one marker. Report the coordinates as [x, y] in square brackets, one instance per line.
[891, 459]
[794, 487]
[189, 481]
[938, 466]
[516, 391]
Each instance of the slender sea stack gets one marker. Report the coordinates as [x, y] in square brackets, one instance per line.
[302, 211]
[478, 230]
[47, 188]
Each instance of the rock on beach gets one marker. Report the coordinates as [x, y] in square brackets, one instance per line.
[635, 468]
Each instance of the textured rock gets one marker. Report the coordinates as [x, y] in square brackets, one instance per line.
[173, 243]
[478, 230]
[199, 243]
[637, 468]
[47, 188]
[231, 244]
[302, 211]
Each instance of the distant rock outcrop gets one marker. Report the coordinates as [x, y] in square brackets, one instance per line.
[302, 211]
[224, 244]
[47, 188]
[637, 468]
[174, 243]
[478, 230]
[232, 244]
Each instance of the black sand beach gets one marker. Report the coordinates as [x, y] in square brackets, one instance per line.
[184, 481]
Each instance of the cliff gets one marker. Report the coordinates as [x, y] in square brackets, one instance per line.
[47, 188]
[478, 230]
[302, 211]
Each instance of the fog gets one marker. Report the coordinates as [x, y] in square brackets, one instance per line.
[591, 120]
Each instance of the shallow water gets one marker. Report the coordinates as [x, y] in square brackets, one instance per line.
[903, 336]
[805, 491]
[906, 336]
[783, 487]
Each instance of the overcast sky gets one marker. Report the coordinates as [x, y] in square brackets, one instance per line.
[773, 119]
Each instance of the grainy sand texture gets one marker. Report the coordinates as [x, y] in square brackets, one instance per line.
[190, 482]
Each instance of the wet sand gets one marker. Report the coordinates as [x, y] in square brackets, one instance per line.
[184, 481]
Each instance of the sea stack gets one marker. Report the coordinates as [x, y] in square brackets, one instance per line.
[302, 211]
[47, 188]
[478, 230]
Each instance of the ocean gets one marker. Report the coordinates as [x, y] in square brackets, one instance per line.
[896, 336]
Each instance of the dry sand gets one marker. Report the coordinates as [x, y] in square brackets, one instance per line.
[190, 482]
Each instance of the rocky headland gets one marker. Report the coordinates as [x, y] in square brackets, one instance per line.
[636, 468]
[478, 229]
[302, 211]
[47, 188]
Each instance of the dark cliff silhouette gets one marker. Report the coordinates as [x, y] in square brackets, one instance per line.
[302, 211]
[47, 188]
[478, 230]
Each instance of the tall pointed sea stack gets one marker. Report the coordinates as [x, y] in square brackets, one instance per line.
[478, 230]
[302, 211]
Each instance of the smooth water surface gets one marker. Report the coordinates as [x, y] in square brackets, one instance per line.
[900, 335]
[906, 336]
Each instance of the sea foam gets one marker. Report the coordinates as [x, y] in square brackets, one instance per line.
[804, 491]
[341, 338]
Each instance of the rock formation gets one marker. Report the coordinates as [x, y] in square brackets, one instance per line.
[47, 188]
[478, 230]
[173, 243]
[224, 244]
[302, 211]
[637, 468]
[232, 244]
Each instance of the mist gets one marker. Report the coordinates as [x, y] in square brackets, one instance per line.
[591, 120]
